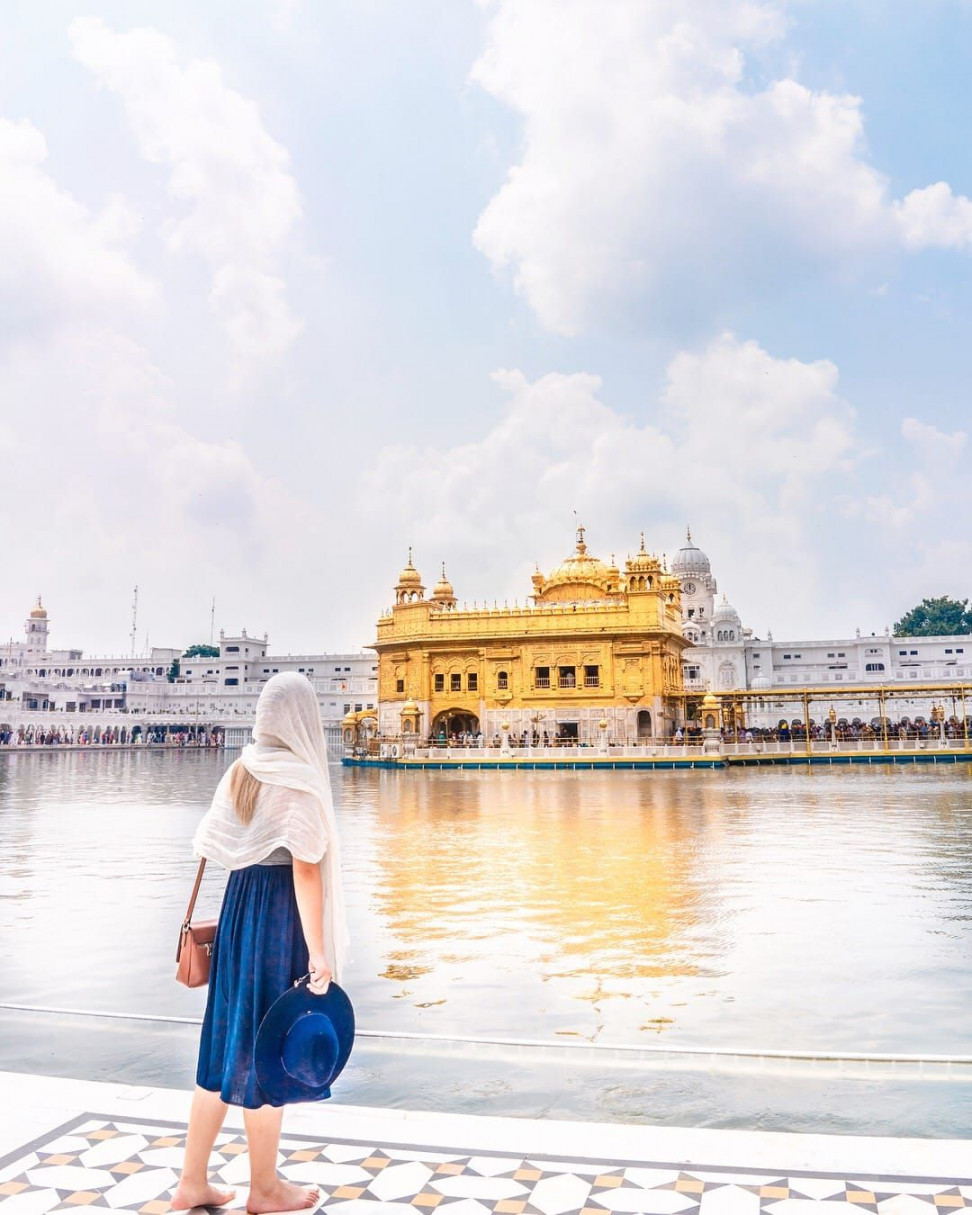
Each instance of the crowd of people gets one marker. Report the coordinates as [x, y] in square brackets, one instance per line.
[109, 736]
[905, 729]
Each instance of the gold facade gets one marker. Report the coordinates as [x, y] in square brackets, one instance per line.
[595, 652]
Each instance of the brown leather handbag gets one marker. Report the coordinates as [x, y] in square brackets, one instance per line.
[195, 943]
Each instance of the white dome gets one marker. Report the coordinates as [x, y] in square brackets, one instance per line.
[762, 683]
[690, 559]
[725, 613]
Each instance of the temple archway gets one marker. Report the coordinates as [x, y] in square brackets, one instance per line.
[454, 721]
[644, 724]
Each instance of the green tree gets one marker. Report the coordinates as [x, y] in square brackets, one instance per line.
[939, 617]
[173, 674]
[202, 651]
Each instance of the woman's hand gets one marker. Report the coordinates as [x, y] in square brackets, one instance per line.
[320, 974]
[309, 892]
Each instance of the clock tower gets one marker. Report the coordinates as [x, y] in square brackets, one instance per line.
[691, 566]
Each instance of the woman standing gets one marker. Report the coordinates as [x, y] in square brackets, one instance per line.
[272, 825]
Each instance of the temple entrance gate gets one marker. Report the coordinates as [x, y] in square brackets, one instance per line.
[454, 721]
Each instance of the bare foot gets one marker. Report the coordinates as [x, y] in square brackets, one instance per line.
[282, 1196]
[186, 1196]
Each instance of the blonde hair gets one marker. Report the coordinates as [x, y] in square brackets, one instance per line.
[244, 788]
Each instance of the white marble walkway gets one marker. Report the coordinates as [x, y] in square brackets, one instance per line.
[70, 1143]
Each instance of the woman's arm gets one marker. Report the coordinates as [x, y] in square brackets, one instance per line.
[309, 889]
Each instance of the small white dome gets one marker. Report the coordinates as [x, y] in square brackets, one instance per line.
[690, 559]
[762, 683]
[725, 613]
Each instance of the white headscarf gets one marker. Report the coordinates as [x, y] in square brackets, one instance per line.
[289, 749]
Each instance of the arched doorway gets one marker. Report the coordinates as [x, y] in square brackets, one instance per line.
[644, 723]
[452, 722]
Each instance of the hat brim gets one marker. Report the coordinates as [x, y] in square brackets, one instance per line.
[276, 1082]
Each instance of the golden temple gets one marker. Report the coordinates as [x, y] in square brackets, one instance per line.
[595, 650]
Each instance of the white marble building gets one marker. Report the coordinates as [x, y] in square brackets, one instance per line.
[41, 678]
[226, 687]
[725, 656]
[64, 684]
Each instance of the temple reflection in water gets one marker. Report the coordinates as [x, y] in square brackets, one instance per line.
[597, 888]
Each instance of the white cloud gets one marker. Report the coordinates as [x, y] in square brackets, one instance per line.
[942, 451]
[652, 168]
[747, 442]
[914, 520]
[127, 494]
[935, 218]
[57, 260]
[237, 199]
[112, 486]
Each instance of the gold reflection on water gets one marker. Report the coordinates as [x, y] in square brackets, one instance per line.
[580, 876]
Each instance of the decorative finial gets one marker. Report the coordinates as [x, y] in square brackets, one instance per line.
[688, 534]
[443, 571]
[642, 549]
[409, 554]
[581, 546]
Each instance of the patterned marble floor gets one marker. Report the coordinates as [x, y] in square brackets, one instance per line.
[131, 1165]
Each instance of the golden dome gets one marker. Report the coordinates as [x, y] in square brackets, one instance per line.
[39, 612]
[710, 700]
[643, 561]
[410, 575]
[581, 571]
[443, 588]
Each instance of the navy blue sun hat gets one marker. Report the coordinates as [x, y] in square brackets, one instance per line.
[303, 1043]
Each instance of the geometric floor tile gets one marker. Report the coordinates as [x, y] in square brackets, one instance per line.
[112, 1164]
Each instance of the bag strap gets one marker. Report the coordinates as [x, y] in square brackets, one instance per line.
[195, 891]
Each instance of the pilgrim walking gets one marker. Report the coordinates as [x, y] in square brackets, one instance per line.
[277, 1028]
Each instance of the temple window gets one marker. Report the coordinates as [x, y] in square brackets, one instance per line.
[568, 677]
[399, 685]
[438, 683]
[592, 677]
[472, 682]
[503, 681]
[543, 677]
[455, 682]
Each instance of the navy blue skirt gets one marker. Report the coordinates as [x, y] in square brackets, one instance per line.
[259, 951]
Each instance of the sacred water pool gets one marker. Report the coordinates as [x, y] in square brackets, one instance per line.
[790, 910]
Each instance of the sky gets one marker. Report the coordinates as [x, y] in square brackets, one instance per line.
[287, 287]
